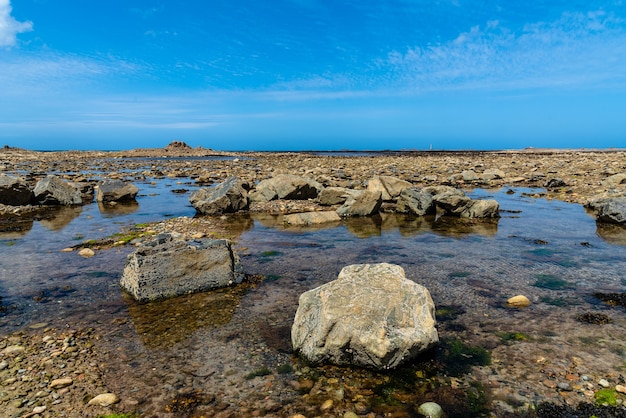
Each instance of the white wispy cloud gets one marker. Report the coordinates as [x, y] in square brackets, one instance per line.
[9, 27]
[577, 50]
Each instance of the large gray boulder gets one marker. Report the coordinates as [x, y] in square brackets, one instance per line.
[285, 186]
[415, 201]
[116, 191]
[361, 203]
[52, 190]
[456, 203]
[389, 187]
[14, 191]
[452, 202]
[226, 197]
[330, 196]
[371, 316]
[613, 211]
[615, 180]
[166, 267]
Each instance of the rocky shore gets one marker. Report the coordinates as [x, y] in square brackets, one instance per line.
[47, 370]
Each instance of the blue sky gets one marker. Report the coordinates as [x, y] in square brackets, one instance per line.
[312, 74]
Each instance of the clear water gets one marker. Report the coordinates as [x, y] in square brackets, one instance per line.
[550, 251]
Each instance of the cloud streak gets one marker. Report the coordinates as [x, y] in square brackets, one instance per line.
[9, 27]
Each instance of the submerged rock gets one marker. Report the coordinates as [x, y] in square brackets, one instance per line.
[371, 316]
[166, 267]
[311, 218]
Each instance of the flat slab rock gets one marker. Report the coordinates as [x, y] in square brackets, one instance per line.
[371, 316]
[167, 267]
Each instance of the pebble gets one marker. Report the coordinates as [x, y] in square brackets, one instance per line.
[13, 349]
[519, 301]
[104, 399]
[604, 383]
[39, 409]
[350, 414]
[3, 364]
[564, 386]
[86, 252]
[430, 409]
[61, 383]
[326, 405]
[620, 389]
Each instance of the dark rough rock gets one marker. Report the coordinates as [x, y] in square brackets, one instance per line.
[415, 201]
[371, 316]
[14, 191]
[285, 186]
[116, 191]
[166, 267]
[51, 190]
[554, 183]
[363, 203]
[227, 197]
[613, 211]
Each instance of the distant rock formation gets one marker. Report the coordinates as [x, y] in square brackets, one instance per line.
[177, 146]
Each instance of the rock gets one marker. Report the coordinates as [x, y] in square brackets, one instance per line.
[285, 186]
[620, 389]
[604, 383]
[332, 196]
[469, 175]
[613, 211]
[371, 316]
[493, 174]
[452, 202]
[116, 191]
[311, 218]
[365, 203]
[554, 183]
[104, 399]
[52, 190]
[326, 405]
[415, 201]
[487, 208]
[86, 252]
[350, 414]
[166, 267]
[61, 383]
[3, 364]
[14, 191]
[13, 350]
[39, 409]
[519, 301]
[389, 187]
[227, 197]
[430, 410]
[615, 180]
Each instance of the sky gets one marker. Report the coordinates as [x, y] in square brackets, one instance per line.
[313, 74]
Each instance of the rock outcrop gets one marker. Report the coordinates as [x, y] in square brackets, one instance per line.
[285, 186]
[166, 267]
[52, 190]
[371, 316]
[226, 197]
[14, 191]
[613, 211]
[361, 203]
[116, 191]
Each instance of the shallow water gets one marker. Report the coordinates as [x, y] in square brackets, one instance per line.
[550, 251]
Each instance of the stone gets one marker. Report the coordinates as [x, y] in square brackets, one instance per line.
[61, 383]
[554, 183]
[285, 186]
[615, 180]
[39, 409]
[13, 350]
[86, 252]
[452, 202]
[116, 191]
[604, 383]
[226, 197]
[487, 208]
[52, 190]
[104, 399]
[620, 389]
[415, 201]
[389, 187]
[326, 405]
[311, 218]
[365, 203]
[519, 301]
[14, 191]
[166, 267]
[613, 211]
[370, 316]
[330, 196]
[469, 175]
[493, 174]
[430, 410]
